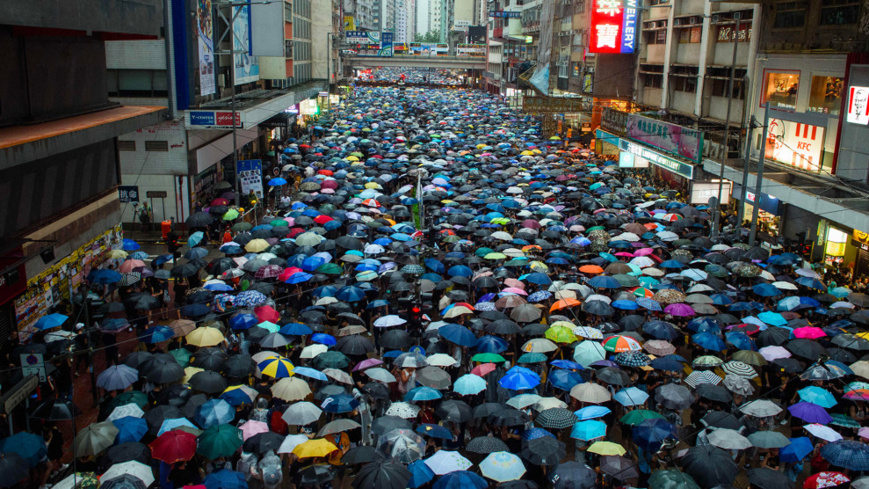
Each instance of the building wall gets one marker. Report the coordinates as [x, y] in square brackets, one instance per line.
[321, 28]
[302, 46]
[139, 17]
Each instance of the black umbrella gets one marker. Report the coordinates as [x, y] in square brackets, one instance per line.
[123, 481]
[191, 406]
[239, 366]
[315, 475]
[362, 454]
[157, 414]
[612, 375]
[161, 370]
[488, 408]
[354, 345]
[619, 467]
[454, 410]
[13, 468]
[808, 349]
[545, 450]
[486, 444]
[395, 339]
[263, 442]
[503, 327]
[382, 475]
[56, 410]
[508, 417]
[142, 302]
[208, 382]
[710, 466]
[199, 220]
[209, 359]
[773, 336]
[137, 358]
[766, 478]
[712, 392]
[385, 424]
[377, 390]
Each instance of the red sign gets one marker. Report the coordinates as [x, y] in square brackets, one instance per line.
[613, 26]
[225, 118]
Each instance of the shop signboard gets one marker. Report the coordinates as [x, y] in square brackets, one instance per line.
[250, 173]
[501, 14]
[476, 50]
[674, 139]
[795, 144]
[702, 191]
[768, 203]
[362, 37]
[613, 26]
[614, 120]
[858, 108]
[552, 105]
[205, 41]
[128, 193]
[678, 167]
[213, 119]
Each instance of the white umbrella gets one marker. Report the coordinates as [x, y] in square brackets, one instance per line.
[760, 408]
[388, 321]
[291, 442]
[136, 469]
[728, 439]
[823, 432]
[502, 467]
[291, 389]
[312, 351]
[784, 285]
[380, 374]
[339, 375]
[441, 360]
[126, 410]
[446, 461]
[301, 413]
[549, 403]
[591, 393]
[403, 410]
[522, 401]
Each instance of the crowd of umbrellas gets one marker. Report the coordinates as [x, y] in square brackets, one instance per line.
[567, 326]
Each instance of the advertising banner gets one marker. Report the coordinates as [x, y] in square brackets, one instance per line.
[677, 140]
[362, 37]
[349, 23]
[205, 37]
[246, 67]
[250, 173]
[795, 144]
[474, 50]
[613, 26]
[702, 191]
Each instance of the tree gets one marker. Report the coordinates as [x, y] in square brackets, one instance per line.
[431, 37]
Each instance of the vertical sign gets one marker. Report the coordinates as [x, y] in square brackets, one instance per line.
[251, 174]
[613, 26]
[205, 37]
[246, 67]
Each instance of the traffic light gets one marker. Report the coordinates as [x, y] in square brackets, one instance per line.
[415, 319]
[172, 242]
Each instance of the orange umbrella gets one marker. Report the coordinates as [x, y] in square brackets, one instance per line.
[564, 304]
[590, 269]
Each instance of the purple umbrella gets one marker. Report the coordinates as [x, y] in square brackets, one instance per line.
[680, 310]
[810, 413]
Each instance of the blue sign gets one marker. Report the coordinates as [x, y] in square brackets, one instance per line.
[204, 118]
[504, 15]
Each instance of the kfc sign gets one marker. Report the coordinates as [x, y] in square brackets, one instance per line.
[796, 144]
[613, 26]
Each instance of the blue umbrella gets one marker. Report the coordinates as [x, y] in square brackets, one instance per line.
[50, 321]
[214, 412]
[339, 403]
[772, 318]
[349, 293]
[422, 393]
[274, 182]
[797, 450]
[312, 373]
[130, 245]
[295, 329]
[564, 379]
[459, 271]
[709, 341]
[588, 430]
[740, 340]
[817, 395]
[491, 344]
[538, 278]
[660, 330]
[434, 431]
[568, 364]
[672, 264]
[458, 334]
[195, 238]
[535, 433]
[469, 384]
[811, 283]
[243, 321]
[29, 446]
[113, 325]
[311, 263]
[298, 278]
[225, 479]
[420, 474]
[218, 287]
[847, 454]
[174, 423]
[667, 363]
[651, 433]
[131, 429]
[324, 339]
[139, 255]
[766, 290]
[625, 305]
[630, 396]
[604, 282]
[435, 265]
[104, 276]
[519, 378]
[649, 304]
[157, 334]
[794, 303]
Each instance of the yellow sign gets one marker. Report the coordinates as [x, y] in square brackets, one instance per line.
[349, 23]
[860, 236]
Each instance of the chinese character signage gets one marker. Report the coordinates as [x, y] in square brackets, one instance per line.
[128, 193]
[362, 37]
[614, 120]
[613, 26]
[251, 174]
[795, 144]
[504, 15]
[676, 140]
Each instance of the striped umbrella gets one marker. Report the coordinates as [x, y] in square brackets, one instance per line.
[277, 368]
[619, 343]
[741, 369]
[556, 418]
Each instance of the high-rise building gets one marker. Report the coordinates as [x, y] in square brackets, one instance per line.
[405, 25]
[422, 17]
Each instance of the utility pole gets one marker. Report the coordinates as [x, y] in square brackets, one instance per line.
[716, 218]
[740, 212]
[756, 209]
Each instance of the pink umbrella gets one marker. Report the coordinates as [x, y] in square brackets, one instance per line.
[515, 290]
[644, 252]
[267, 313]
[625, 254]
[251, 428]
[680, 310]
[288, 272]
[512, 282]
[483, 369]
[129, 265]
[809, 332]
[771, 353]
[367, 363]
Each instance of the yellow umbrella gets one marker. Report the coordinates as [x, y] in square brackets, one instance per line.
[190, 372]
[205, 336]
[560, 334]
[314, 448]
[257, 245]
[539, 266]
[526, 153]
[118, 254]
[352, 158]
[606, 448]
[277, 368]
[457, 311]
[374, 185]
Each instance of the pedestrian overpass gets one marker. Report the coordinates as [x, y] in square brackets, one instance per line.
[443, 62]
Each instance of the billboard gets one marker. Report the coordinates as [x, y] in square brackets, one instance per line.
[362, 37]
[246, 67]
[205, 38]
[613, 26]
[476, 50]
[796, 144]
[701, 192]
[251, 174]
[858, 109]
[677, 140]
[429, 49]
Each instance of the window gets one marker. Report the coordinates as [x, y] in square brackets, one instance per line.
[780, 89]
[690, 35]
[137, 83]
[578, 6]
[790, 14]
[156, 145]
[288, 12]
[288, 49]
[126, 145]
[684, 84]
[826, 94]
[719, 88]
[838, 12]
[652, 81]
[660, 2]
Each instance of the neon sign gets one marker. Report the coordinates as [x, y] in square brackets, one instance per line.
[613, 26]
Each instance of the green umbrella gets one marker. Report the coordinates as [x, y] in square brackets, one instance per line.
[671, 479]
[329, 269]
[182, 356]
[637, 416]
[481, 252]
[488, 358]
[138, 398]
[95, 438]
[230, 215]
[241, 227]
[279, 223]
[532, 358]
[219, 441]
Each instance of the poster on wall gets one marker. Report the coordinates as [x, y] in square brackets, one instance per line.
[246, 66]
[795, 144]
[674, 139]
[251, 174]
[205, 37]
[858, 109]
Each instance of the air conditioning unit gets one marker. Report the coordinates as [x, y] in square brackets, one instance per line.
[693, 20]
[678, 22]
[716, 18]
[737, 15]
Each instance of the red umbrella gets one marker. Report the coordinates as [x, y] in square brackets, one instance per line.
[287, 272]
[295, 232]
[325, 172]
[174, 446]
[219, 202]
[322, 219]
[333, 184]
[483, 369]
[267, 313]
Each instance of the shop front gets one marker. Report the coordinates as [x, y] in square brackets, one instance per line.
[674, 174]
[860, 242]
[769, 216]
